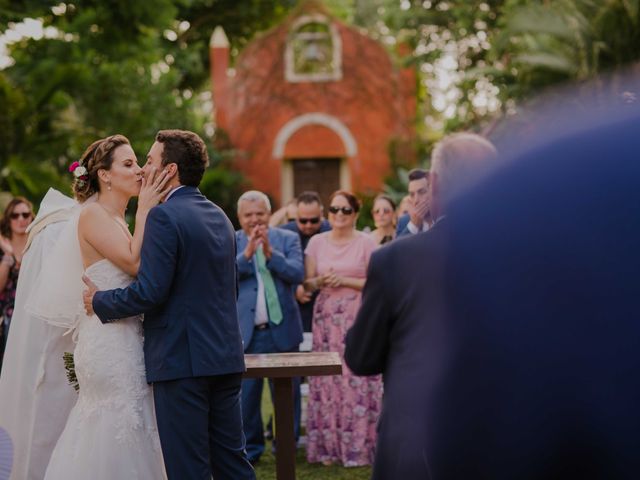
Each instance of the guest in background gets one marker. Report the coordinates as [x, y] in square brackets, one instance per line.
[13, 239]
[418, 219]
[270, 265]
[343, 411]
[384, 216]
[285, 214]
[309, 222]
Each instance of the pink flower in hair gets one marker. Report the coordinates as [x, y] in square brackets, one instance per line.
[73, 166]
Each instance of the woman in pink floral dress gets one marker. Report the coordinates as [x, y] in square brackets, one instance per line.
[343, 410]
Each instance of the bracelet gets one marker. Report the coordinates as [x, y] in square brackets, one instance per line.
[8, 260]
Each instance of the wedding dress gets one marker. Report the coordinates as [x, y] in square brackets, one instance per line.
[111, 432]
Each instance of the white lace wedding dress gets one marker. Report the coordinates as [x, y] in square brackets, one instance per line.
[111, 432]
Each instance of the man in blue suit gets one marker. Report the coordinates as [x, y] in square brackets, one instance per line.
[270, 266]
[186, 287]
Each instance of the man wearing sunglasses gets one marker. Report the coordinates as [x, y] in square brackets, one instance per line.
[310, 221]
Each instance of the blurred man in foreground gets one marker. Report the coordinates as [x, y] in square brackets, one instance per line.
[396, 330]
[541, 377]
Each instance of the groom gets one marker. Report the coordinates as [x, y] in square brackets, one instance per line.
[186, 287]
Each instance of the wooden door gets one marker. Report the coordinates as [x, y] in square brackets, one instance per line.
[320, 175]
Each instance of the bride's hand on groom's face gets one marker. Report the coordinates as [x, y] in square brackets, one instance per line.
[87, 294]
[154, 188]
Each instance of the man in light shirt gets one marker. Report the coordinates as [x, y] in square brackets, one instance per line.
[270, 266]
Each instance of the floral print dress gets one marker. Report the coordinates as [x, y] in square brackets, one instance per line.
[343, 410]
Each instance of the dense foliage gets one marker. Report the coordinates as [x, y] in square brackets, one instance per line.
[99, 67]
[112, 66]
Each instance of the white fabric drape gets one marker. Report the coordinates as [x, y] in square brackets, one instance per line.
[35, 398]
[56, 296]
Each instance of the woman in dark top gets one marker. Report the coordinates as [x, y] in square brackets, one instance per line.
[13, 239]
[384, 216]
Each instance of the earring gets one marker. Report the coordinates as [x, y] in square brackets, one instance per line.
[109, 185]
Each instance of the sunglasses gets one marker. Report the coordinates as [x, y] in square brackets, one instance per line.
[25, 215]
[378, 211]
[313, 220]
[345, 210]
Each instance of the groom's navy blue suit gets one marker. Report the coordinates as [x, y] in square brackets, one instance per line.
[186, 287]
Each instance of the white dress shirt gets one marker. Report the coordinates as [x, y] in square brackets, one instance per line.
[262, 315]
[413, 229]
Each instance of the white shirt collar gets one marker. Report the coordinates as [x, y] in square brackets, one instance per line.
[172, 192]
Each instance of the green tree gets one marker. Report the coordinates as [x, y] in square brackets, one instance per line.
[107, 67]
[541, 45]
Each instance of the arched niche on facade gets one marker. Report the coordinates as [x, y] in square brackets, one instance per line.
[313, 51]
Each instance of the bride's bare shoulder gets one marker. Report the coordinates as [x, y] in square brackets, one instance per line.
[91, 216]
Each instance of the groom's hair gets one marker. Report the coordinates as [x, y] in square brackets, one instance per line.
[187, 151]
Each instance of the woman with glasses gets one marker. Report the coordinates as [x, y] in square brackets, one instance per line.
[384, 217]
[342, 411]
[13, 239]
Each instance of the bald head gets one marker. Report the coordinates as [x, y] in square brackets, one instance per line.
[457, 161]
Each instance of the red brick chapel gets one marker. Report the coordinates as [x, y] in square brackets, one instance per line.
[312, 104]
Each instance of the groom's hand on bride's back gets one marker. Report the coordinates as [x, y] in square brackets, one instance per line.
[88, 293]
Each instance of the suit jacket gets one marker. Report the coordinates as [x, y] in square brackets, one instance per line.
[396, 333]
[186, 287]
[401, 227]
[287, 269]
[543, 296]
[306, 309]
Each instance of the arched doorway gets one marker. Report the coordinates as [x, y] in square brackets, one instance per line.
[314, 150]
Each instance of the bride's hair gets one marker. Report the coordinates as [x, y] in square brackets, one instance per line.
[99, 155]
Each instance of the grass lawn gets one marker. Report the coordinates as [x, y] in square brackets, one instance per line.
[266, 467]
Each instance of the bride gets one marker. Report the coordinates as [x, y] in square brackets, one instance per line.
[111, 431]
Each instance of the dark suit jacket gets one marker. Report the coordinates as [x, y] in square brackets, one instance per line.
[401, 227]
[537, 374]
[396, 333]
[287, 270]
[306, 309]
[186, 287]
[541, 381]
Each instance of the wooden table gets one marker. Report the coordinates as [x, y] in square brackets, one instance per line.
[282, 368]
